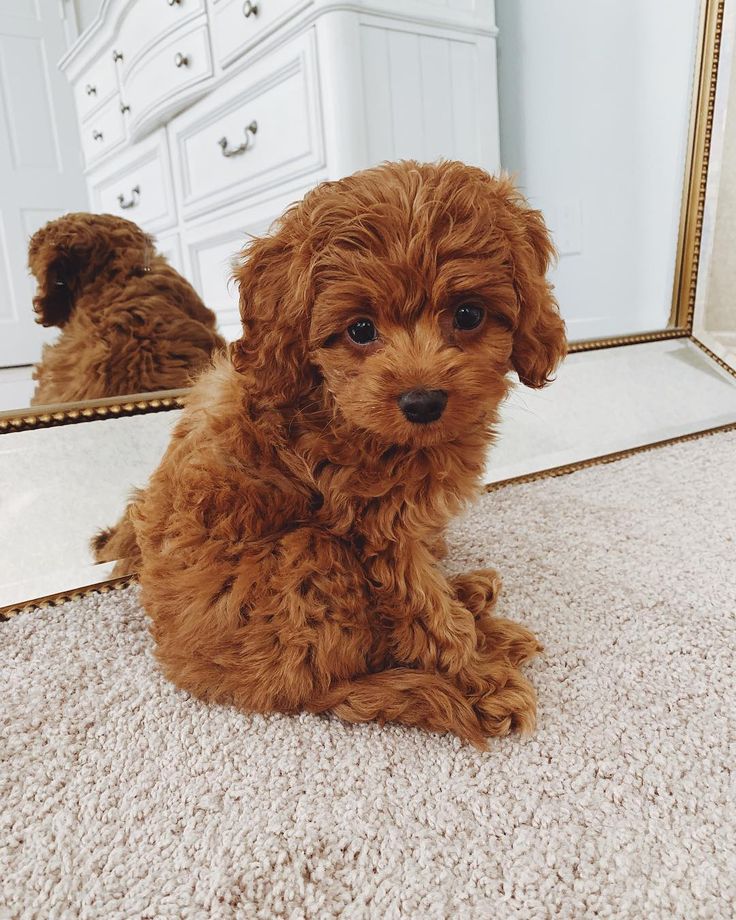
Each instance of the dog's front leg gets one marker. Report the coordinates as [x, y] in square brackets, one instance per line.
[496, 637]
[431, 630]
[428, 626]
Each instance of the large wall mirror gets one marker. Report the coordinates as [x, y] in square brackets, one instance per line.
[143, 142]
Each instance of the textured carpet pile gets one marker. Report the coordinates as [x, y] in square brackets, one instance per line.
[121, 797]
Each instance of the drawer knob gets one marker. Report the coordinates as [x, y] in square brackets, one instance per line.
[250, 132]
[90, 90]
[124, 108]
[97, 135]
[250, 9]
[117, 55]
[181, 60]
[174, 2]
[135, 194]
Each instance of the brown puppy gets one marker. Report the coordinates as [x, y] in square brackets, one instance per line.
[286, 538]
[130, 323]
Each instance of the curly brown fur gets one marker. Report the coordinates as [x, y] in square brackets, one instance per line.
[288, 538]
[129, 322]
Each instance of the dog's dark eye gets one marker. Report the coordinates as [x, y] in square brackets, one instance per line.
[468, 316]
[363, 332]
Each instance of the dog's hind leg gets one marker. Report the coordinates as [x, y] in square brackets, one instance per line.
[419, 698]
[503, 639]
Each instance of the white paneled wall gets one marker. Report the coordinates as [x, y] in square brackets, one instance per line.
[426, 91]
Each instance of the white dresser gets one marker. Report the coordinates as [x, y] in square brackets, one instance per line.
[201, 120]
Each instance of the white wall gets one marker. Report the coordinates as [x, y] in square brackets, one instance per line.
[594, 111]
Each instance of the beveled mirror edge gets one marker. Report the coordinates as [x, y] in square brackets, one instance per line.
[103, 587]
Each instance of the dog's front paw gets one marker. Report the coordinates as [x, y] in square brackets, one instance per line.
[477, 590]
[508, 705]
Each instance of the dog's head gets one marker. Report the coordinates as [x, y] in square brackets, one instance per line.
[67, 254]
[407, 292]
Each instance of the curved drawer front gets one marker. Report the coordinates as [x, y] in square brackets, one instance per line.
[212, 268]
[166, 76]
[139, 189]
[238, 24]
[95, 85]
[257, 131]
[147, 24]
[103, 132]
[169, 246]
[211, 251]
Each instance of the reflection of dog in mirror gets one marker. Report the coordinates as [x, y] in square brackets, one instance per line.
[129, 322]
[288, 540]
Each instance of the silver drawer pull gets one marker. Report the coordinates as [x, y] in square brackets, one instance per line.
[97, 135]
[250, 132]
[124, 108]
[135, 194]
[117, 55]
[90, 90]
[181, 60]
[250, 9]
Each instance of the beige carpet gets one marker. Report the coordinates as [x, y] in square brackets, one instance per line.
[123, 798]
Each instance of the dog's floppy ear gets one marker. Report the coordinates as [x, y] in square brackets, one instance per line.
[274, 279]
[539, 337]
[51, 266]
[60, 255]
[53, 301]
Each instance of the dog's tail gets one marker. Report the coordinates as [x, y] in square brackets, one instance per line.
[118, 544]
[419, 698]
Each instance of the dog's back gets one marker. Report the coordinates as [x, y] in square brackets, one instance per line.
[129, 322]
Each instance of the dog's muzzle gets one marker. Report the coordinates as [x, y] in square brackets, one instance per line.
[423, 406]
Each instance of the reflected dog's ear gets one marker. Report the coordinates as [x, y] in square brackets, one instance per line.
[539, 335]
[274, 280]
[54, 301]
[51, 265]
[67, 252]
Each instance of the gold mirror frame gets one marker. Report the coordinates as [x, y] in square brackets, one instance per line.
[91, 410]
[705, 79]
[681, 315]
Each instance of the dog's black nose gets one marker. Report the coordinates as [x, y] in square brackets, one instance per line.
[423, 406]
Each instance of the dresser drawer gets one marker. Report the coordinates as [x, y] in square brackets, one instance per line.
[169, 245]
[96, 85]
[138, 186]
[238, 24]
[148, 23]
[166, 77]
[103, 132]
[211, 271]
[251, 135]
[210, 251]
